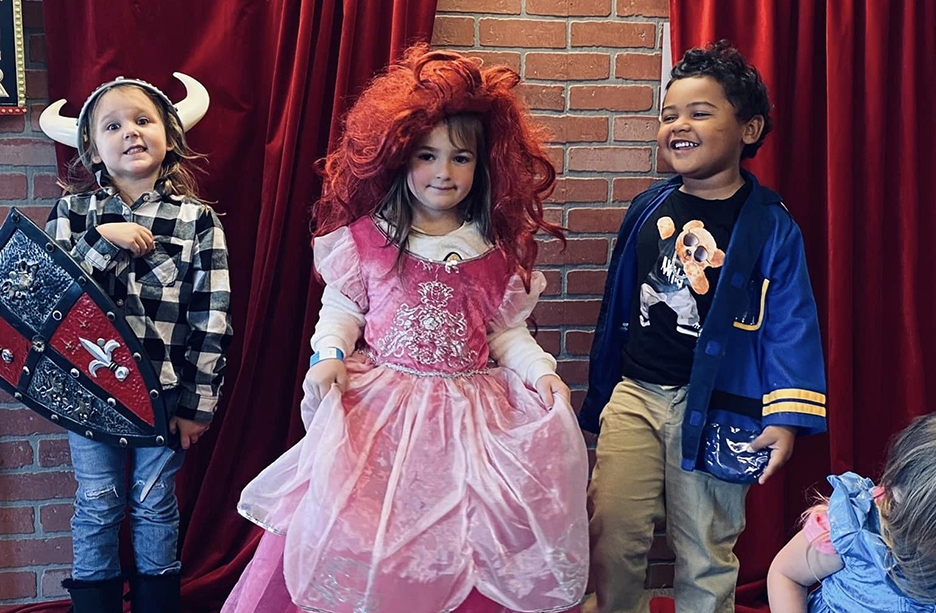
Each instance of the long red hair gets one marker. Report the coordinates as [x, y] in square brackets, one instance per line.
[403, 104]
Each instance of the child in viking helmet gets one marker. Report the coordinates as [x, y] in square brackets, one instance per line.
[137, 226]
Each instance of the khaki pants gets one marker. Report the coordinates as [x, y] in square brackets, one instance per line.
[638, 460]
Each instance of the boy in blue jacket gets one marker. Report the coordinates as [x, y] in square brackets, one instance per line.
[708, 323]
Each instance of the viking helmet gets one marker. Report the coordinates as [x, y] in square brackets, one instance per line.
[76, 132]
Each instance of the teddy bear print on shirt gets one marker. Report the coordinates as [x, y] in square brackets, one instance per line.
[679, 269]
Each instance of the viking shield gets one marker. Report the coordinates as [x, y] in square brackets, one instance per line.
[66, 351]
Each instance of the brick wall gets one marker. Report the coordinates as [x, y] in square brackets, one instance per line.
[36, 484]
[591, 71]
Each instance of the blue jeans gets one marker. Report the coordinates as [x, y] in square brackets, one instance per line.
[102, 499]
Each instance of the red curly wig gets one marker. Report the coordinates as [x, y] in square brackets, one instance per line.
[403, 104]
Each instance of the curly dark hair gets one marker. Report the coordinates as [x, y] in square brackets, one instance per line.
[743, 86]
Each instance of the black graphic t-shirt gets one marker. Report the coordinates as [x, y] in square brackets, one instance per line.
[680, 252]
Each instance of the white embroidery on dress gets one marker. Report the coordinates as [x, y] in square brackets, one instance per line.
[429, 333]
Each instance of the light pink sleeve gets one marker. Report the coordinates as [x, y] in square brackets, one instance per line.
[337, 261]
[816, 530]
[517, 304]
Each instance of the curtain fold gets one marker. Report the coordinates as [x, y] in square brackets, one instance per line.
[280, 74]
[848, 80]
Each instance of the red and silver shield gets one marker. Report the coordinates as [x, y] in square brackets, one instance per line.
[66, 351]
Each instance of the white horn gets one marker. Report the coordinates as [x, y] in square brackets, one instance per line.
[195, 104]
[58, 127]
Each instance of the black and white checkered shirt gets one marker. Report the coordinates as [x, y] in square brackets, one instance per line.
[176, 299]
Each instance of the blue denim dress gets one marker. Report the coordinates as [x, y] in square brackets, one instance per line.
[864, 584]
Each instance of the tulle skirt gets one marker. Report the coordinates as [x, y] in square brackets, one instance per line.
[422, 494]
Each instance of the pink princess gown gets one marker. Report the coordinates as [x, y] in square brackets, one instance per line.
[434, 483]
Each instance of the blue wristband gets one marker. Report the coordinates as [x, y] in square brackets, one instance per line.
[329, 353]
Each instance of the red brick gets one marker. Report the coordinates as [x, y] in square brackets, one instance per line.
[636, 128]
[578, 396]
[52, 582]
[660, 550]
[12, 124]
[27, 152]
[522, 33]
[541, 97]
[596, 219]
[37, 84]
[577, 251]
[610, 159]
[54, 452]
[662, 166]
[35, 552]
[32, 15]
[46, 186]
[556, 156]
[15, 454]
[19, 584]
[38, 214]
[575, 129]
[569, 189]
[612, 34]
[586, 282]
[625, 188]
[638, 66]
[553, 282]
[573, 372]
[507, 7]
[611, 97]
[35, 110]
[511, 59]
[552, 215]
[36, 486]
[660, 576]
[549, 340]
[37, 48]
[21, 422]
[13, 186]
[578, 342]
[458, 31]
[17, 520]
[646, 8]
[569, 8]
[568, 66]
[56, 517]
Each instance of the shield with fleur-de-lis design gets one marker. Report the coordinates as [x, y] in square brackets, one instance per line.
[66, 351]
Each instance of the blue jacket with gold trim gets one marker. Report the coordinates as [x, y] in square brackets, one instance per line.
[758, 360]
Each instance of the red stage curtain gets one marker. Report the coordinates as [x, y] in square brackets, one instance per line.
[280, 74]
[849, 80]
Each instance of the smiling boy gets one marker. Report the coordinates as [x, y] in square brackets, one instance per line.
[708, 320]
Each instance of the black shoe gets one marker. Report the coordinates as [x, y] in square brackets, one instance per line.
[96, 596]
[155, 593]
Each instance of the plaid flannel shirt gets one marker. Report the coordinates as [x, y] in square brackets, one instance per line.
[175, 299]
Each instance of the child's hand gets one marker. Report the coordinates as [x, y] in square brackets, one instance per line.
[779, 439]
[189, 431]
[128, 235]
[323, 374]
[550, 386]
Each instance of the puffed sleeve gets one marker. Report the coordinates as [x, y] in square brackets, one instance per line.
[336, 260]
[510, 342]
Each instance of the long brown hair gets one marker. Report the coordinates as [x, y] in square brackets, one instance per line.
[178, 167]
[466, 131]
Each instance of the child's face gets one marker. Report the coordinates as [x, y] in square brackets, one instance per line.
[439, 174]
[129, 136]
[700, 134]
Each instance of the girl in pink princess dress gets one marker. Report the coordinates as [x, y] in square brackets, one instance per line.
[428, 480]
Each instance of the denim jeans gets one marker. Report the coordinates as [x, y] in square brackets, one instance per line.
[638, 482]
[102, 499]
